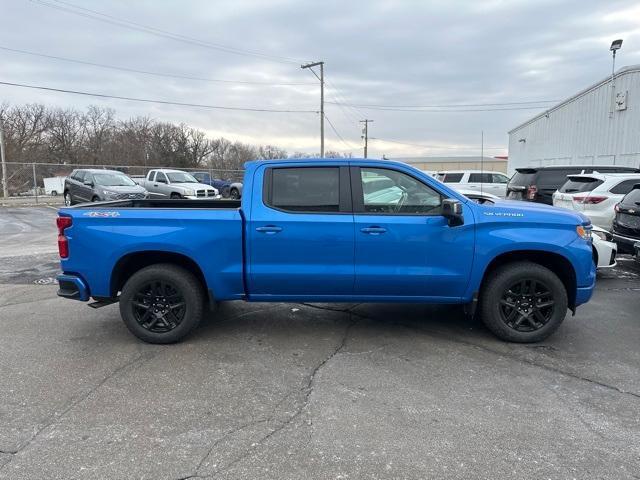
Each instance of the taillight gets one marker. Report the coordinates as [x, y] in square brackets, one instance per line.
[63, 244]
[592, 200]
[531, 192]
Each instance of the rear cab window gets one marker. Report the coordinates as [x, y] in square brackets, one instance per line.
[307, 189]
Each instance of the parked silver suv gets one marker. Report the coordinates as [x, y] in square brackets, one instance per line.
[94, 185]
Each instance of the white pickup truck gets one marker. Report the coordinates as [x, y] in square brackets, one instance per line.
[177, 184]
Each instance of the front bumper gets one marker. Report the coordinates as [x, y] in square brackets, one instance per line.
[72, 287]
[625, 244]
[193, 197]
[583, 294]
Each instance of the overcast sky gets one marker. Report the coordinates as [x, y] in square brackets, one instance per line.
[392, 53]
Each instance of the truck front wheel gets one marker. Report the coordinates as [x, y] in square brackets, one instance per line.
[162, 303]
[523, 302]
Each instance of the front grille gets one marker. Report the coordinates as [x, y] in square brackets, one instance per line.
[629, 220]
[201, 193]
[130, 196]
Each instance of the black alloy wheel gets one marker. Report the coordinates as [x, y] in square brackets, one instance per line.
[158, 306]
[527, 306]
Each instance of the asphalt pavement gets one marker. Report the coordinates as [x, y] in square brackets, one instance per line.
[290, 391]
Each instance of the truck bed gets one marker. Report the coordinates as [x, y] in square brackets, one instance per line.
[164, 203]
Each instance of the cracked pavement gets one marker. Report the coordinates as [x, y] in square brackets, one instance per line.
[289, 391]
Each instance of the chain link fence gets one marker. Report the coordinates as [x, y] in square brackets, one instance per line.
[47, 179]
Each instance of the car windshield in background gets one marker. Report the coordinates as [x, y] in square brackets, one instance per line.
[577, 185]
[113, 180]
[633, 197]
[181, 177]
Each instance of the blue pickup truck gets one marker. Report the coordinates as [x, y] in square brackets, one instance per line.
[330, 230]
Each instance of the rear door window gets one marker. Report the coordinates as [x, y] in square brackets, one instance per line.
[480, 178]
[303, 189]
[451, 177]
[577, 185]
[625, 187]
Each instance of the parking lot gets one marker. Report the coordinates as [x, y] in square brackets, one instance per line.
[315, 391]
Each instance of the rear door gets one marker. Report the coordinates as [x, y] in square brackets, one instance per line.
[300, 235]
[404, 247]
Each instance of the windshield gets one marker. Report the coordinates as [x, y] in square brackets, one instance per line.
[181, 177]
[113, 180]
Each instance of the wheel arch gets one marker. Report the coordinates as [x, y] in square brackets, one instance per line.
[135, 261]
[555, 262]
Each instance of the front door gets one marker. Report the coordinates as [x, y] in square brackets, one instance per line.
[404, 247]
[300, 233]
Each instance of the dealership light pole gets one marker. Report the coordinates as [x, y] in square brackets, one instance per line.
[615, 46]
[321, 78]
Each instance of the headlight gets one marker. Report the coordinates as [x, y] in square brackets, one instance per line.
[107, 193]
[606, 236]
[584, 232]
[189, 193]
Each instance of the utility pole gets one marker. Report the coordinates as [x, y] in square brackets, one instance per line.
[365, 134]
[321, 78]
[481, 158]
[5, 192]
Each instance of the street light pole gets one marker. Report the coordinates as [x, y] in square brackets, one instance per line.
[5, 191]
[615, 46]
[321, 78]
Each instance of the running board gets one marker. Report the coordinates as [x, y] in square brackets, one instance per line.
[103, 302]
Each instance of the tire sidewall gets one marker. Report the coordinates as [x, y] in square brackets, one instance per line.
[504, 278]
[183, 281]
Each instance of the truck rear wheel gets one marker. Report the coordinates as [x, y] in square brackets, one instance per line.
[523, 302]
[162, 303]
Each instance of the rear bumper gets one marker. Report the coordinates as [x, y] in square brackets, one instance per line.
[72, 287]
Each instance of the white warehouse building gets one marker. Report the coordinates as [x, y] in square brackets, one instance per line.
[593, 127]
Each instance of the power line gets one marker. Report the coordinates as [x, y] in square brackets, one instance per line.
[146, 72]
[438, 147]
[450, 105]
[110, 19]
[163, 102]
[391, 109]
[337, 133]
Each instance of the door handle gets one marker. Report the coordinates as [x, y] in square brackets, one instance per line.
[269, 229]
[373, 230]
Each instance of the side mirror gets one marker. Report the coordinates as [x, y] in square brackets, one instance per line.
[452, 211]
[88, 183]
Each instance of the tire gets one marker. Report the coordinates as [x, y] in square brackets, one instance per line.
[175, 196]
[68, 199]
[234, 194]
[163, 288]
[506, 297]
[95, 198]
[54, 193]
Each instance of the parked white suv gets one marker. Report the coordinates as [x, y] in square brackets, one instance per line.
[595, 194]
[494, 183]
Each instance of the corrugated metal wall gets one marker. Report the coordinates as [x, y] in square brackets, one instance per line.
[581, 132]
